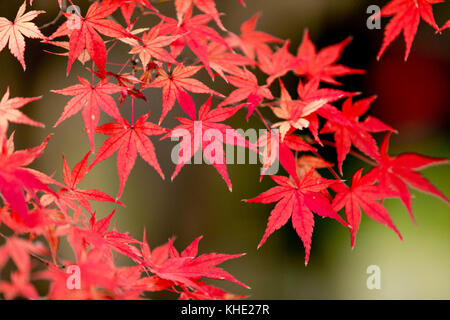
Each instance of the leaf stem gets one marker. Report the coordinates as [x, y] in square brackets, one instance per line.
[56, 19]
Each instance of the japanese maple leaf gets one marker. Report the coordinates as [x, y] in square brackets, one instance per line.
[97, 235]
[247, 88]
[195, 34]
[175, 83]
[275, 147]
[83, 33]
[397, 172]
[407, 15]
[129, 140]
[322, 64]
[103, 280]
[252, 42]
[153, 47]
[310, 92]
[362, 195]
[206, 6]
[14, 33]
[186, 268]
[70, 192]
[445, 26]
[206, 133]
[222, 61]
[40, 220]
[279, 63]
[9, 112]
[306, 163]
[127, 6]
[20, 286]
[356, 133]
[294, 112]
[297, 201]
[19, 251]
[98, 274]
[89, 99]
[15, 177]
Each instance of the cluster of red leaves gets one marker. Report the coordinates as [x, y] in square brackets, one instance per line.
[37, 208]
[406, 17]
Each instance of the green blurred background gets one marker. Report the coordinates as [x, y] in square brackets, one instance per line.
[413, 96]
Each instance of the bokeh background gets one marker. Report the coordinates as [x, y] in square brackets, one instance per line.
[413, 96]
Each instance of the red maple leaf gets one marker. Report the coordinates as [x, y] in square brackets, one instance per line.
[221, 60]
[322, 64]
[129, 140]
[127, 6]
[15, 177]
[294, 113]
[302, 113]
[208, 135]
[362, 195]
[98, 275]
[247, 88]
[20, 286]
[195, 33]
[19, 251]
[206, 6]
[70, 192]
[306, 163]
[90, 98]
[186, 269]
[407, 15]
[9, 112]
[397, 172]
[153, 47]
[311, 92]
[281, 149]
[279, 63]
[356, 132]
[83, 33]
[175, 83]
[445, 26]
[298, 201]
[14, 32]
[97, 235]
[252, 42]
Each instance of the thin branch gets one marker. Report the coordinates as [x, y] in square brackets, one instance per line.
[54, 21]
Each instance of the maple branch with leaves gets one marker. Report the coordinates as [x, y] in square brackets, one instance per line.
[169, 57]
